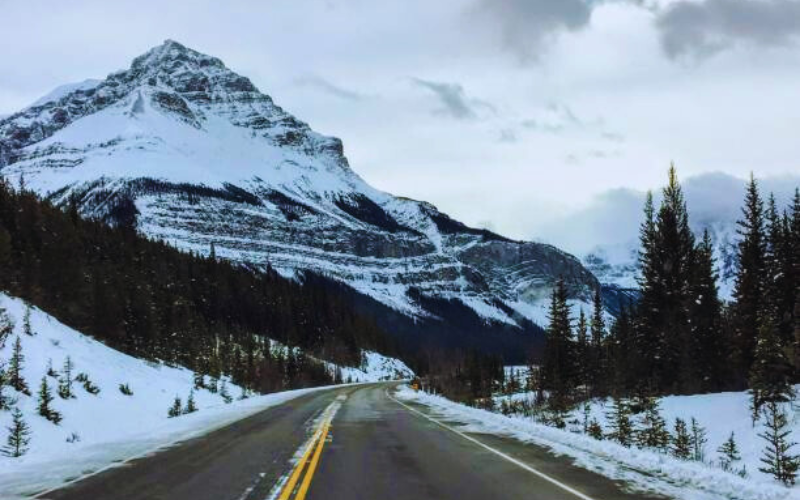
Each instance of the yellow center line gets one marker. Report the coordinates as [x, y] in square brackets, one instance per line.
[301, 493]
[298, 469]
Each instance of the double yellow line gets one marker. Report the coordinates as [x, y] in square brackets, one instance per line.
[315, 445]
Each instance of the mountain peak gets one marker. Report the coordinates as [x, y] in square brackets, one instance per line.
[172, 58]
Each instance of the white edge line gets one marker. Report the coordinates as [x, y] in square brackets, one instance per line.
[496, 452]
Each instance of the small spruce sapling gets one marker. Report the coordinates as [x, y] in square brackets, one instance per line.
[18, 436]
[199, 380]
[653, 432]
[15, 378]
[190, 405]
[681, 441]
[65, 382]
[26, 322]
[125, 389]
[6, 326]
[778, 459]
[729, 454]
[176, 409]
[698, 441]
[620, 421]
[5, 401]
[45, 399]
[595, 430]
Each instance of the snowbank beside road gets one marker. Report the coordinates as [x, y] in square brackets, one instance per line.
[109, 426]
[644, 470]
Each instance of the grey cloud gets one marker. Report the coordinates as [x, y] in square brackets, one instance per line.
[701, 29]
[527, 26]
[454, 100]
[324, 85]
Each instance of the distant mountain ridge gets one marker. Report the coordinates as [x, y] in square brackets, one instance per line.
[199, 156]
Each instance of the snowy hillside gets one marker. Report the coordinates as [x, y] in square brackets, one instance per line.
[208, 158]
[98, 429]
[645, 470]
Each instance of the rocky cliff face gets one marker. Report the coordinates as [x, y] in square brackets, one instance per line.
[199, 156]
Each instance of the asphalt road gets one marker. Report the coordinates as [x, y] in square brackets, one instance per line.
[345, 443]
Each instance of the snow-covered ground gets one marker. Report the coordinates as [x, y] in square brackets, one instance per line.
[643, 469]
[376, 367]
[111, 426]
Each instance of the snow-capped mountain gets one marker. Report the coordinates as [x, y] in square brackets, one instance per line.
[207, 158]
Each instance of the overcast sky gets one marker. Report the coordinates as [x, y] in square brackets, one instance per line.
[504, 113]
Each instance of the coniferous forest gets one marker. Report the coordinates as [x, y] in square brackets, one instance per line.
[678, 337]
[153, 301]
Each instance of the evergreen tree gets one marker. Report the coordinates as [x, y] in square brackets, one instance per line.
[793, 264]
[65, 382]
[652, 432]
[770, 375]
[622, 356]
[18, 436]
[729, 453]
[190, 405]
[199, 380]
[15, 378]
[698, 438]
[598, 361]
[176, 409]
[6, 326]
[595, 430]
[645, 339]
[669, 323]
[620, 422]
[26, 322]
[5, 401]
[45, 399]
[681, 441]
[749, 286]
[558, 370]
[778, 459]
[583, 354]
[707, 352]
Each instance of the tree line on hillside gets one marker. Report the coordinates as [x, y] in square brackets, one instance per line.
[680, 337]
[150, 300]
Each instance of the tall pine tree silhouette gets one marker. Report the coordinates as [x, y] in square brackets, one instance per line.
[749, 287]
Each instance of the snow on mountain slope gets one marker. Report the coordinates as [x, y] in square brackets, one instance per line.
[63, 90]
[111, 426]
[210, 159]
[644, 470]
